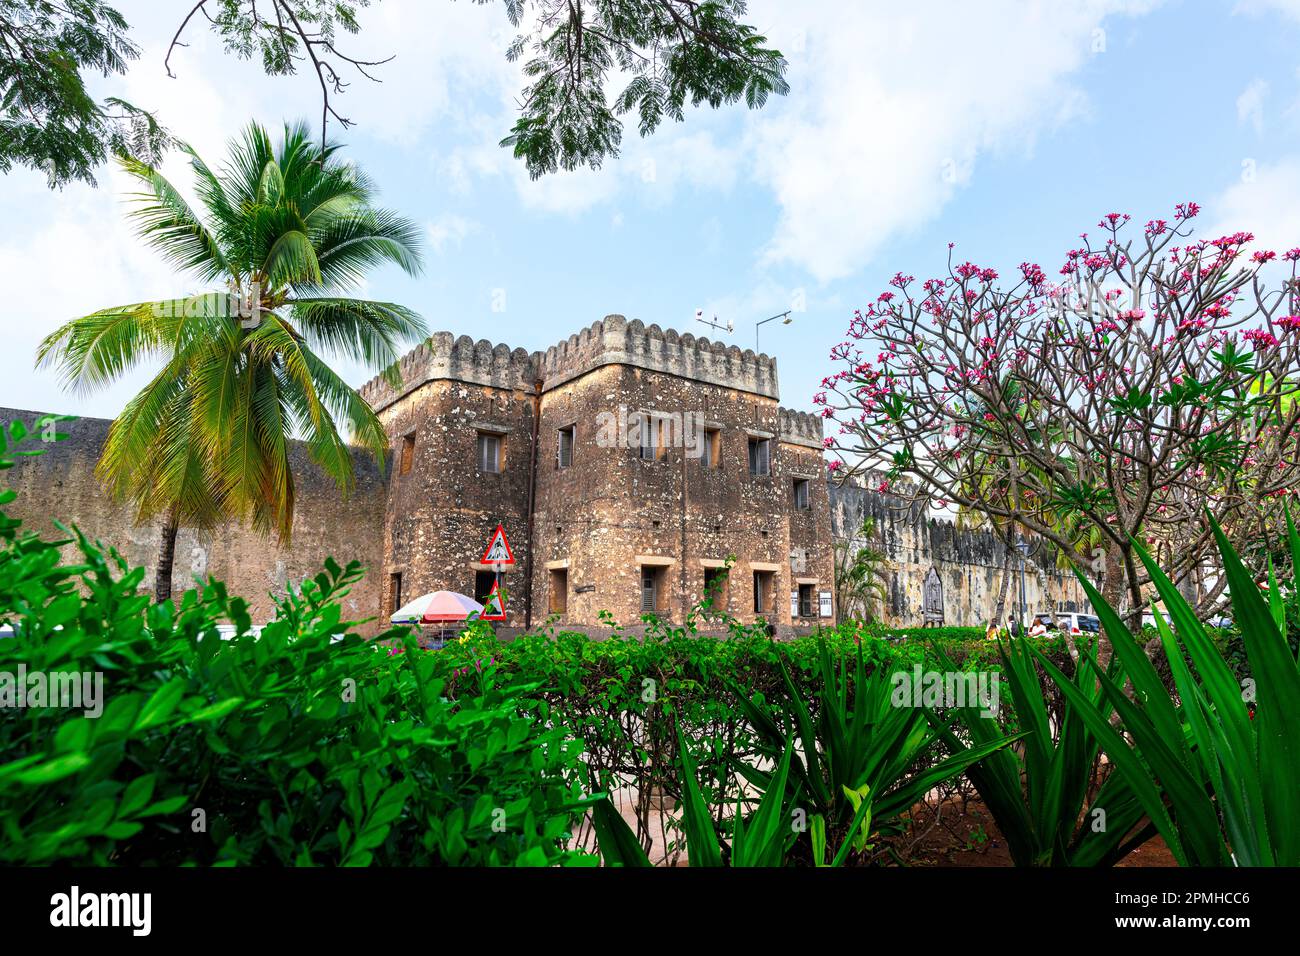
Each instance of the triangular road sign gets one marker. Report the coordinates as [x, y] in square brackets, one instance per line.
[494, 607]
[498, 550]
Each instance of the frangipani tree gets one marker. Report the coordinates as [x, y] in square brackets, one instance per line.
[286, 233]
[1153, 380]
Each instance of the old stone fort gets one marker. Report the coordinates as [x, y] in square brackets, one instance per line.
[630, 467]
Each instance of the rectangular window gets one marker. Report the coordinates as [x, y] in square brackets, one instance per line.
[408, 453]
[712, 456]
[715, 589]
[394, 593]
[564, 447]
[652, 437]
[483, 581]
[801, 499]
[489, 452]
[763, 592]
[760, 456]
[806, 608]
[649, 590]
[646, 441]
[559, 598]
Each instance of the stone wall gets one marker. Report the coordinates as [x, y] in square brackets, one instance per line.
[969, 562]
[599, 524]
[610, 516]
[441, 512]
[61, 485]
[613, 516]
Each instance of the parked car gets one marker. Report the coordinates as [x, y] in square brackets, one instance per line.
[1069, 622]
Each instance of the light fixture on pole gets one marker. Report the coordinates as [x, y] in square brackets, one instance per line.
[780, 315]
[715, 324]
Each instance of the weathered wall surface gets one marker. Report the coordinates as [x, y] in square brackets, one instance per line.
[591, 527]
[612, 513]
[61, 484]
[969, 562]
[442, 512]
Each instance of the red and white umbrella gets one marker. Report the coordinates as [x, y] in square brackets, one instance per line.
[437, 608]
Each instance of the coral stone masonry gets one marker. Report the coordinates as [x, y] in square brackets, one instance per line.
[629, 466]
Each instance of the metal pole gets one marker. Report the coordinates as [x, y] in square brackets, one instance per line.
[780, 315]
[1024, 609]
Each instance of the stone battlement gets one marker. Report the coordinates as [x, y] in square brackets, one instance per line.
[611, 341]
[443, 356]
[799, 428]
[616, 341]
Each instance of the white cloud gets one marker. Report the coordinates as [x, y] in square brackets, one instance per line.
[1266, 202]
[1287, 8]
[1250, 104]
[85, 257]
[450, 230]
[896, 104]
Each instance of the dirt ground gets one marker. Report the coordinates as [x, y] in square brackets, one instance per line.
[962, 839]
[972, 839]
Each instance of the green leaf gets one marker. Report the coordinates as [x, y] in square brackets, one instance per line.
[618, 844]
[159, 707]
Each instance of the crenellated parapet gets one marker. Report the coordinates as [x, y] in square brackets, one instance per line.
[444, 357]
[799, 428]
[611, 341]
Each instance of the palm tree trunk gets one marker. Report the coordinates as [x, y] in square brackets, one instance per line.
[162, 586]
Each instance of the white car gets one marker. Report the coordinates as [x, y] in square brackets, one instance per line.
[1069, 622]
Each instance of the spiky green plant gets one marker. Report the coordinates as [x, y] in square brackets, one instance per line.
[286, 233]
[1220, 783]
[1038, 792]
[862, 761]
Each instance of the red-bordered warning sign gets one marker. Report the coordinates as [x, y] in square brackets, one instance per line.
[494, 605]
[498, 550]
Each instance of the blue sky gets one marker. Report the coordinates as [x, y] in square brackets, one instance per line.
[1007, 128]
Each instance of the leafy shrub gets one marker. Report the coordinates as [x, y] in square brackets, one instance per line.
[945, 635]
[305, 745]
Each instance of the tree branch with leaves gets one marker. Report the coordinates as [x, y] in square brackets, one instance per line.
[1152, 384]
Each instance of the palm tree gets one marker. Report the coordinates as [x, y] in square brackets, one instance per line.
[859, 574]
[288, 231]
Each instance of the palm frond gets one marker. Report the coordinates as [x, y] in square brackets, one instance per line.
[371, 331]
[166, 222]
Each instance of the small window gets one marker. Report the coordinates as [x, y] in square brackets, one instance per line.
[489, 452]
[715, 590]
[394, 593]
[649, 590]
[762, 592]
[564, 447]
[806, 600]
[712, 456]
[760, 456]
[652, 437]
[801, 498]
[559, 597]
[483, 583]
[408, 453]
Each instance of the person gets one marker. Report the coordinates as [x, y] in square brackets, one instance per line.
[1013, 626]
[1039, 628]
[991, 632]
